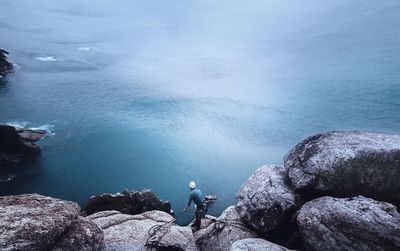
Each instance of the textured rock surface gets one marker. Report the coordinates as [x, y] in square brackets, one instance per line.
[266, 199]
[130, 232]
[83, 235]
[256, 244]
[128, 202]
[221, 234]
[5, 66]
[33, 222]
[347, 164]
[17, 142]
[356, 223]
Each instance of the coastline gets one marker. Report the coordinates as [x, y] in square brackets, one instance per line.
[275, 209]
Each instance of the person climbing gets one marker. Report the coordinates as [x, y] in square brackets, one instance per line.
[197, 197]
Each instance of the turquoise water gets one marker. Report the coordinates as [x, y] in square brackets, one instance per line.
[157, 93]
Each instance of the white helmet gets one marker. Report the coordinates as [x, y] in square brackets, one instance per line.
[192, 185]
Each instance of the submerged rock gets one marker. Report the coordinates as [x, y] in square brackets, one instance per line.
[5, 66]
[222, 233]
[356, 223]
[36, 222]
[128, 202]
[154, 229]
[15, 143]
[256, 244]
[347, 164]
[266, 199]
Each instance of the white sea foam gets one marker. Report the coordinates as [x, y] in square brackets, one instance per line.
[7, 178]
[49, 128]
[48, 59]
[84, 49]
[20, 124]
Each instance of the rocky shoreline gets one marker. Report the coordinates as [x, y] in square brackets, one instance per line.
[17, 143]
[128, 202]
[335, 191]
[5, 66]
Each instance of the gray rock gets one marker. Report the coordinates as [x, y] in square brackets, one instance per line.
[256, 244]
[81, 235]
[266, 199]
[221, 234]
[132, 232]
[33, 222]
[128, 202]
[356, 223]
[346, 164]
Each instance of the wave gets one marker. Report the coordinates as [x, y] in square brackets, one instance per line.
[48, 59]
[49, 128]
[7, 178]
[84, 49]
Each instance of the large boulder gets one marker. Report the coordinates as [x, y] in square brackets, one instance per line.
[256, 244]
[16, 143]
[222, 233]
[128, 202]
[81, 235]
[153, 229]
[346, 164]
[356, 223]
[33, 222]
[266, 199]
[5, 66]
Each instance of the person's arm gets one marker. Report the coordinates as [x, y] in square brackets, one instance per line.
[188, 203]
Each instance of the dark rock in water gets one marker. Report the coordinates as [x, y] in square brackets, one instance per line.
[346, 164]
[31, 135]
[256, 244]
[16, 143]
[266, 200]
[154, 230]
[12, 142]
[356, 223]
[5, 66]
[222, 233]
[128, 202]
[82, 234]
[8, 160]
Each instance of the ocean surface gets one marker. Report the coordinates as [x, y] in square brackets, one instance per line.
[153, 94]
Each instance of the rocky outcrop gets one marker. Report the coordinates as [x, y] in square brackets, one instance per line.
[256, 244]
[35, 222]
[222, 233]
[266, 199]
[336, 163]
[5, 66]
[82, 234]
[153, 229]
[128, 202]
[346, 164]
[15, 143]
[356, 223]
